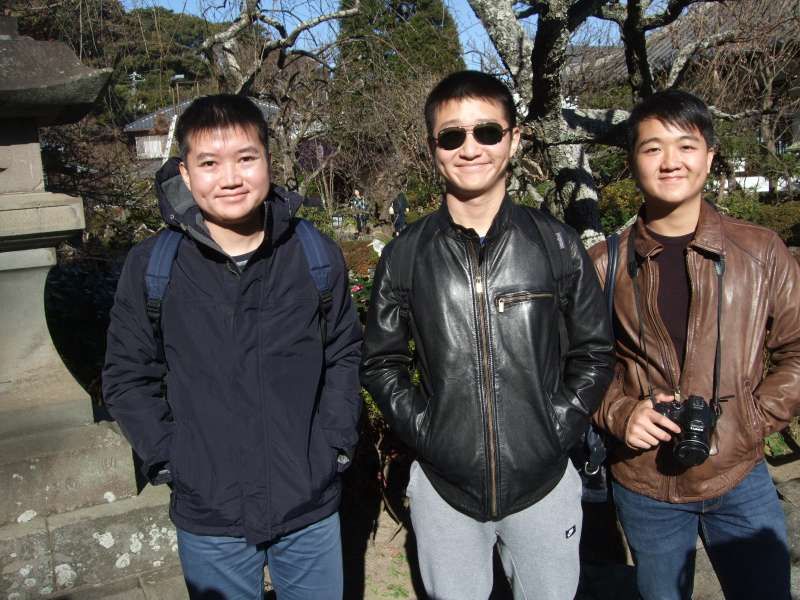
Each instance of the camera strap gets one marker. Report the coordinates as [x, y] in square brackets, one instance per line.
[719, 265]
[633, 270]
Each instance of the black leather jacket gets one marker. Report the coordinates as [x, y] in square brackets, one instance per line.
[495, 412]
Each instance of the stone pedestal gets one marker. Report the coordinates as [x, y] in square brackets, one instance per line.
[36, 390]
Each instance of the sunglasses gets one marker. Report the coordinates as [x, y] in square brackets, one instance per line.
[486, 134]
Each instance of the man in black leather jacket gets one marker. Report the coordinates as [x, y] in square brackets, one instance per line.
[497, 409]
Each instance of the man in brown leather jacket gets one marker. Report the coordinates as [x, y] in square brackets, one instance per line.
[687, 273]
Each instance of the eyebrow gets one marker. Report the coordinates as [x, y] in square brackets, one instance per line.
[245, 150]
[248, 149]
[685, 137]
[457, 123]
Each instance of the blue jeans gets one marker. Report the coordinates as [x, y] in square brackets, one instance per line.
[743, 531]
[303, 565]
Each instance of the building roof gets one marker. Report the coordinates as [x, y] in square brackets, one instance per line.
[148, 122]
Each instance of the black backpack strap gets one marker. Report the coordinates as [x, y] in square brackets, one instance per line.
[555, 247]
[319, 266]
[404, 252]
[612, 243]
[156, 279]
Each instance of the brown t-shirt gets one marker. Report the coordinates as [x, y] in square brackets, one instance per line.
[674, 291]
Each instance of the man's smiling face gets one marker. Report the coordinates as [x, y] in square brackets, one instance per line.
[670, 163]
[473, 169]
[227, 171]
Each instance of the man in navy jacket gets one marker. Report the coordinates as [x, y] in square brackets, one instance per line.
[261, 409]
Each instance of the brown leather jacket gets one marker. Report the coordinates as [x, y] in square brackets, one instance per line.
[760, 308]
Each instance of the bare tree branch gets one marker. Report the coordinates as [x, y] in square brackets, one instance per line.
[221, 48]
[512, 43]
[681, 62]
[246, 18]
[719, 114]
[582, 10]
[614, 12]
[669, 14]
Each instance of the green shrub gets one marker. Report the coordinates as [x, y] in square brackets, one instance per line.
[320, 218]
[618, 202]
[784, 219]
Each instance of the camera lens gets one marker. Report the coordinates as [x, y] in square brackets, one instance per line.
[691, 453]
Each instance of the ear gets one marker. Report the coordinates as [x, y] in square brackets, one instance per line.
[709, 160]
[515, 138]
[432, 147]
[185, 175]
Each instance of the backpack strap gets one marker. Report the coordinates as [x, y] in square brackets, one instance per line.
[156, 280]
[555, 248]
[404, 252]
[319, 265]
[612, 243]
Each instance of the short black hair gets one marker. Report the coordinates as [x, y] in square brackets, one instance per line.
[672, 107]
[469, 84]
[220, 111]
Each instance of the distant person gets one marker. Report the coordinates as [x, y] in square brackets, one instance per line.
[360, 211]
[698, 297]
[495, 411]
[398, 211]
[261, 371]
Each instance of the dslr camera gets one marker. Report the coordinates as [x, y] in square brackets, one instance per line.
[697, 420]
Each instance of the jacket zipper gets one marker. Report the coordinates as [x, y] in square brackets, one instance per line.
[668, 354]
[512, 298]
[689, 319]
[488, 388]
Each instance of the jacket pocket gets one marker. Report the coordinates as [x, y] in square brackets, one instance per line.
[507, 300]
[755, 421]
[423, 427]
[557, 428]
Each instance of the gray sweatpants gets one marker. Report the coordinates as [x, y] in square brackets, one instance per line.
[538, 546]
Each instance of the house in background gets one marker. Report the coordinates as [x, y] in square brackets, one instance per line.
[150, 133]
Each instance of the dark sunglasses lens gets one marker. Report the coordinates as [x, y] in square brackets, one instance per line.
[450, 139]
[488, 134]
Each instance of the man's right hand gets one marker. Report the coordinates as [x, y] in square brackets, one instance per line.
[648, 428]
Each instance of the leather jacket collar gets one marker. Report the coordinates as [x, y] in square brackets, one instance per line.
[498, 226]
[708, 235]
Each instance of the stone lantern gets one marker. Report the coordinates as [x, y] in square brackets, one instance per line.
[41, 83]
[70, 516]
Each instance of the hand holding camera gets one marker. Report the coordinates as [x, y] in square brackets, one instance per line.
[647, 427]
[697, 421]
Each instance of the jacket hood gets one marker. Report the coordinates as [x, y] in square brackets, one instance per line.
[179, 210]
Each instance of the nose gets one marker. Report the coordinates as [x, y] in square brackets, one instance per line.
[670, 160]
[231, 177]
[470, 148]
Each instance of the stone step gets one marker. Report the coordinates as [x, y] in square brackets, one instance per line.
[165, 584]
[88, 548]
[61, 470]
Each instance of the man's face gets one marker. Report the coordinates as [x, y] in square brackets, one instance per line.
[473, 169]
[670, 163]
[227, 171]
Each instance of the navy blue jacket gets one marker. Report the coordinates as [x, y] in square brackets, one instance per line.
[255, 414]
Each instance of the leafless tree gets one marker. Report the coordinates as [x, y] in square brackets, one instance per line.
[538, 63]
[278, 30]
